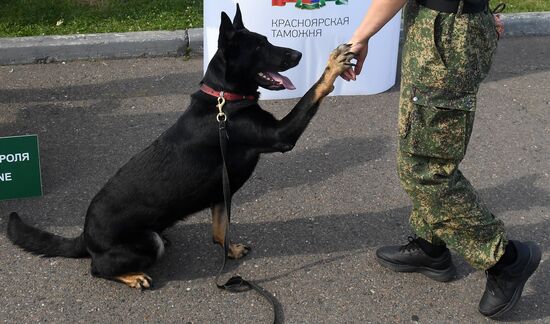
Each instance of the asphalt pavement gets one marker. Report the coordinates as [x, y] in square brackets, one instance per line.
[313, 216]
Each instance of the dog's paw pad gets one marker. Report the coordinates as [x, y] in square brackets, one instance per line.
[237, 251]
[136, 280]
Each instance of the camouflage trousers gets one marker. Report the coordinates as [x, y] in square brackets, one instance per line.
[445, 58]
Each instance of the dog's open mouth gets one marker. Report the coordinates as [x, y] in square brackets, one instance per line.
[274, 81]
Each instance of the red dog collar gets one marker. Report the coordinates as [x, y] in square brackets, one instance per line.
[226, 95]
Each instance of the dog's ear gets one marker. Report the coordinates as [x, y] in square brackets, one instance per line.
[227, 31]
[238, 20]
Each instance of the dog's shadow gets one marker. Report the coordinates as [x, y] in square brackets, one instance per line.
[342, 236]
[188, 257]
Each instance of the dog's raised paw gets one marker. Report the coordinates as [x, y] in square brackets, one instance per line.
[138, 280]
[237, 250]
[340, 58]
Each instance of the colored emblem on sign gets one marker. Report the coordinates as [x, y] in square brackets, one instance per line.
[307, 4]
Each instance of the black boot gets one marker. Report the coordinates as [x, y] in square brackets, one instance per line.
[505, 282]
[418, 255]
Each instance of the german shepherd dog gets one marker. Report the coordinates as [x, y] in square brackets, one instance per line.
[180, 173]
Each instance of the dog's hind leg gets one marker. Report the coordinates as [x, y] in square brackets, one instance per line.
[219, 226]
[126, 262]
[122, 265]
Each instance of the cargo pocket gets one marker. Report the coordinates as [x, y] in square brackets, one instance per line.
[439, 124]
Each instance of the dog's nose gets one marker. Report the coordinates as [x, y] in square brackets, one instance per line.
[295, 56]
[292, 58]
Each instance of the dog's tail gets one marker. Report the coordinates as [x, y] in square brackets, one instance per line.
[40, 242]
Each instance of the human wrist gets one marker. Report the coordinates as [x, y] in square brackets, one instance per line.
[359, 39]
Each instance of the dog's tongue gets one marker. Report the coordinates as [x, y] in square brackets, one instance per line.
[282, 80]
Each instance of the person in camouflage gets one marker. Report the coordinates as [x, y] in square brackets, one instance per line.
[446, 54]
[441, 73]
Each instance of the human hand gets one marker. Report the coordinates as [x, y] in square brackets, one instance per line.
[361, 50]
[499, 25]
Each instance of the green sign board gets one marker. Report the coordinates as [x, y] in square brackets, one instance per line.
[19, 167]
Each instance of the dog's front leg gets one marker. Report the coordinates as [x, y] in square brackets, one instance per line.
[294, 124]
[283, 135]
[339, 61]
[219, 225]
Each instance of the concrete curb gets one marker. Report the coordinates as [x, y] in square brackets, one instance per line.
[46, 49]
[196, 45]
[526, 24]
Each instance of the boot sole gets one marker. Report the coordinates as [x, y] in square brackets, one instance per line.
[534, 262]
[442, 275]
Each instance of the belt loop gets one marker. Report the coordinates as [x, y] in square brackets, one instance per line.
[460, 7]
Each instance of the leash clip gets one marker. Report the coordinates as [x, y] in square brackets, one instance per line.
[221, 117]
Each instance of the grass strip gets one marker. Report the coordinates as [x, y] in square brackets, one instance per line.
[61, 17]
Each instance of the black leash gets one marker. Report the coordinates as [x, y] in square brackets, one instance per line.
[236, 283]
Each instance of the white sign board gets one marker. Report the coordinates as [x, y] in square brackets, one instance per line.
[315, 28]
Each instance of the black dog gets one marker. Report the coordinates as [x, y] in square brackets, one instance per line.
[180, 172]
